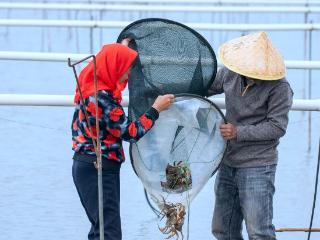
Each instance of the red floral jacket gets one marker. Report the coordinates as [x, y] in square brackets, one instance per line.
[114, 127]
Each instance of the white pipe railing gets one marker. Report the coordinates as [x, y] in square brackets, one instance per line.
[67, 101]
[41, 56]
[148, 2]
[160, 8]
[122, 24]
[220, 2]
[63, 57]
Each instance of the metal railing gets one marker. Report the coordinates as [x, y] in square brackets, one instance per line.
[160, 8]
[220, 2]
[62, 57]
[67, 101]
[122, 24]
[197, 2]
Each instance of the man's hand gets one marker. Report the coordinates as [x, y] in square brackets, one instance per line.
[228, 131]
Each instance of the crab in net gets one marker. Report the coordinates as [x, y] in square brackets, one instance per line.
[178, 177]
[175, 218]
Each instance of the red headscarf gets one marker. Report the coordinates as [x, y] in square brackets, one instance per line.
[112, 62]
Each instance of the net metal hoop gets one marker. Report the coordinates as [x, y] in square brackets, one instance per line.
[200, 98]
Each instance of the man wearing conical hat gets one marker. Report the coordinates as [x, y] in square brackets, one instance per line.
[258, 99]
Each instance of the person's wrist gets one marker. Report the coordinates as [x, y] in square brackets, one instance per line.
[156, 108]
[152, 113]
[234, 132]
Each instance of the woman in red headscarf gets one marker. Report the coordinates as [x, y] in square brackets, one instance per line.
[113, 64]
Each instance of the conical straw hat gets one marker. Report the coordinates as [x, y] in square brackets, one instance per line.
[253, 56]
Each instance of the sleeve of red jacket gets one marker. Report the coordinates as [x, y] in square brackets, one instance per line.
[120, 126]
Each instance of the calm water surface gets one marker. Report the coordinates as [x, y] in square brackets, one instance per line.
[37, 197]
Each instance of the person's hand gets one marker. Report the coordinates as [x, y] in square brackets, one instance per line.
[163, 102]
[126, 41]
[228, 131]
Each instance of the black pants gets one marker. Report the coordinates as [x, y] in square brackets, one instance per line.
[86, 181]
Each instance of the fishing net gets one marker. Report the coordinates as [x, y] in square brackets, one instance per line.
[180, 153]
[172, 59]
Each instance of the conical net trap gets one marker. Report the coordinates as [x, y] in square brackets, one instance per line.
[180, 153]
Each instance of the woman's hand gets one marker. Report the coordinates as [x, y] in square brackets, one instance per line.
[126, 41]
[163, 102]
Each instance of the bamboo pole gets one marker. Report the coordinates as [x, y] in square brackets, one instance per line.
[297, 230]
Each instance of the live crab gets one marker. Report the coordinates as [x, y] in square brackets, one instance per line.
[175, 218]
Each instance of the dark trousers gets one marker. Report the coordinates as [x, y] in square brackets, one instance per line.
[86, 181]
